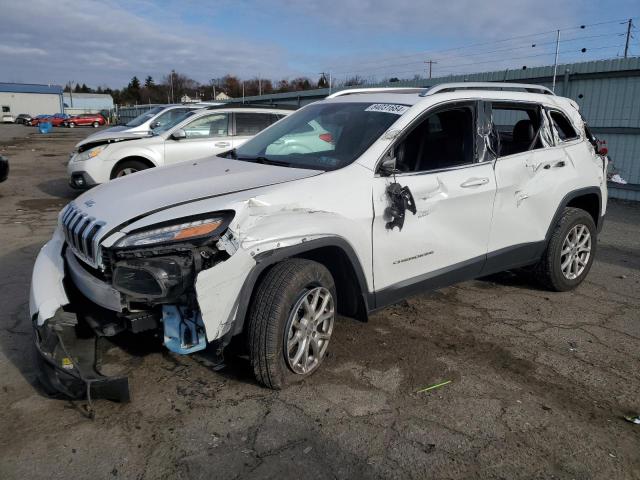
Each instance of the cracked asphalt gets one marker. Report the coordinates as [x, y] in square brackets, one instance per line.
[540, 381]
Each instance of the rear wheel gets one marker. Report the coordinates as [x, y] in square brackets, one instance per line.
[569, 255]
[127, 168]
[72, 125]
[291, 320]
[96, 124]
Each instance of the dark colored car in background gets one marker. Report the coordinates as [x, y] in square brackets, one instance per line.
[4, 168]
[23, 118]
[86, 119]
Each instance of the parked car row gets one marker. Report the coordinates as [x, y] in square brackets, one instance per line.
[62, 120]
[264, 224]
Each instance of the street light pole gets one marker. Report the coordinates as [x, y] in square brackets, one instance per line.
[555, 63]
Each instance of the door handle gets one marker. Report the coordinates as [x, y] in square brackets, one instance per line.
[475, 182]
[560, 164]
[222, 144]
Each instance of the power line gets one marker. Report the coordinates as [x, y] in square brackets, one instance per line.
[493, 42]
[444, 59]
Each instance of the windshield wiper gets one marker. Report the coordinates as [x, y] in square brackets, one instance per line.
[264, 161]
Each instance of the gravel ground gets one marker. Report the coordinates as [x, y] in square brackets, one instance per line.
[540, 381]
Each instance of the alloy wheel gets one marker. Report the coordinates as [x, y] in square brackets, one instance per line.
[576, 251]
[126, 171]
[309, 330]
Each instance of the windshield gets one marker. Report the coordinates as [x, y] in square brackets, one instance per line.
[172, 123]
[323, 136]
[140, 119]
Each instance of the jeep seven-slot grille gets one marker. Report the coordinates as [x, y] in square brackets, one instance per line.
[81, 232]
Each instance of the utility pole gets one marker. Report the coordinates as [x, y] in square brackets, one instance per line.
[172, 72]
[555, 64]
[259, 85]
[70, 93]
[243, 91]
[626, 45]
[430, 63]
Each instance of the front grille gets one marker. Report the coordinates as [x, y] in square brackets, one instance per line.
[81, 232]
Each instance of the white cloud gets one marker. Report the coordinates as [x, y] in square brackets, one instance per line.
[102, 43]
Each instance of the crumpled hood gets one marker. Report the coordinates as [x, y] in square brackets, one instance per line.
[124, 199]
[120, 131]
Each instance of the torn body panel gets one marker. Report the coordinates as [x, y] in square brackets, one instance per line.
[47, 290]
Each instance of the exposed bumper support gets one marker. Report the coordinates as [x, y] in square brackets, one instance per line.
[68, 362]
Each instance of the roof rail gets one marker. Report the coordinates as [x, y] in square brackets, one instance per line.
[269, 106]
[353, 91]
[451, 87]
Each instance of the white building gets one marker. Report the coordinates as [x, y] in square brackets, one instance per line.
[17, 98]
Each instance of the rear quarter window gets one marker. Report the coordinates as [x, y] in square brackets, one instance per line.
[562, 126]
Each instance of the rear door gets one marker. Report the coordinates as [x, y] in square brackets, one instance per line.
[248, 124]
[442, 162]
[529, 172]
[207, 135]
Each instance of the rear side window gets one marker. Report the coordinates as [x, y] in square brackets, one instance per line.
[516, 128]
[562, 126]
[252, 123]
[5, 109]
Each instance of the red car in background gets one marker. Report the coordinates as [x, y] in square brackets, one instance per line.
[86, 119]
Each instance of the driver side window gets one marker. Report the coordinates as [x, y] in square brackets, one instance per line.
[216, 125]
[444, 139]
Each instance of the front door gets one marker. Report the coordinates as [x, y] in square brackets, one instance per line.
[206, 136]
[453, 188]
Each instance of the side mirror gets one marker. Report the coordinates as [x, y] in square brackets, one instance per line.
[179, 134]
[154, 125]
[388, 166]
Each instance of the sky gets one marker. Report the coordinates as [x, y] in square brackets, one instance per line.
[105, 43]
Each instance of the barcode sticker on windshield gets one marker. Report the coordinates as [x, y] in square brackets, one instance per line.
[387, 108]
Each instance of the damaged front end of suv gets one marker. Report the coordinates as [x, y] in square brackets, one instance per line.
[144, 282]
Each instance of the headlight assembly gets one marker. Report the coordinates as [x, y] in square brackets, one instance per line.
[91, 153]
[190, 230]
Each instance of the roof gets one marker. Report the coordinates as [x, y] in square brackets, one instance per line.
[30, 88]
[88, 95]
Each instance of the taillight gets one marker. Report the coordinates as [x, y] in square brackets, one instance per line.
[326, 137]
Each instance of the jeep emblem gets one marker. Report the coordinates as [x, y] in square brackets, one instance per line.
[90, 203]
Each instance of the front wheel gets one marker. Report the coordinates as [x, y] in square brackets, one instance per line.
[95, 124]
[72, 125]
[127, 168]
[570, 252]
[291, 320]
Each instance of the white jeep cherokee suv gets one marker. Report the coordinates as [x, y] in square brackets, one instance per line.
[406, 191]
[192, 135]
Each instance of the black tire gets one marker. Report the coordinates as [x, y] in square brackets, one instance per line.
[270, 314]
[95, 124]
[72, 125]
[548, 270]
[120, 169]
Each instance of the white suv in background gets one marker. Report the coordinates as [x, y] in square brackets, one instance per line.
[407, 190]
[193, 135]
[143, 124]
